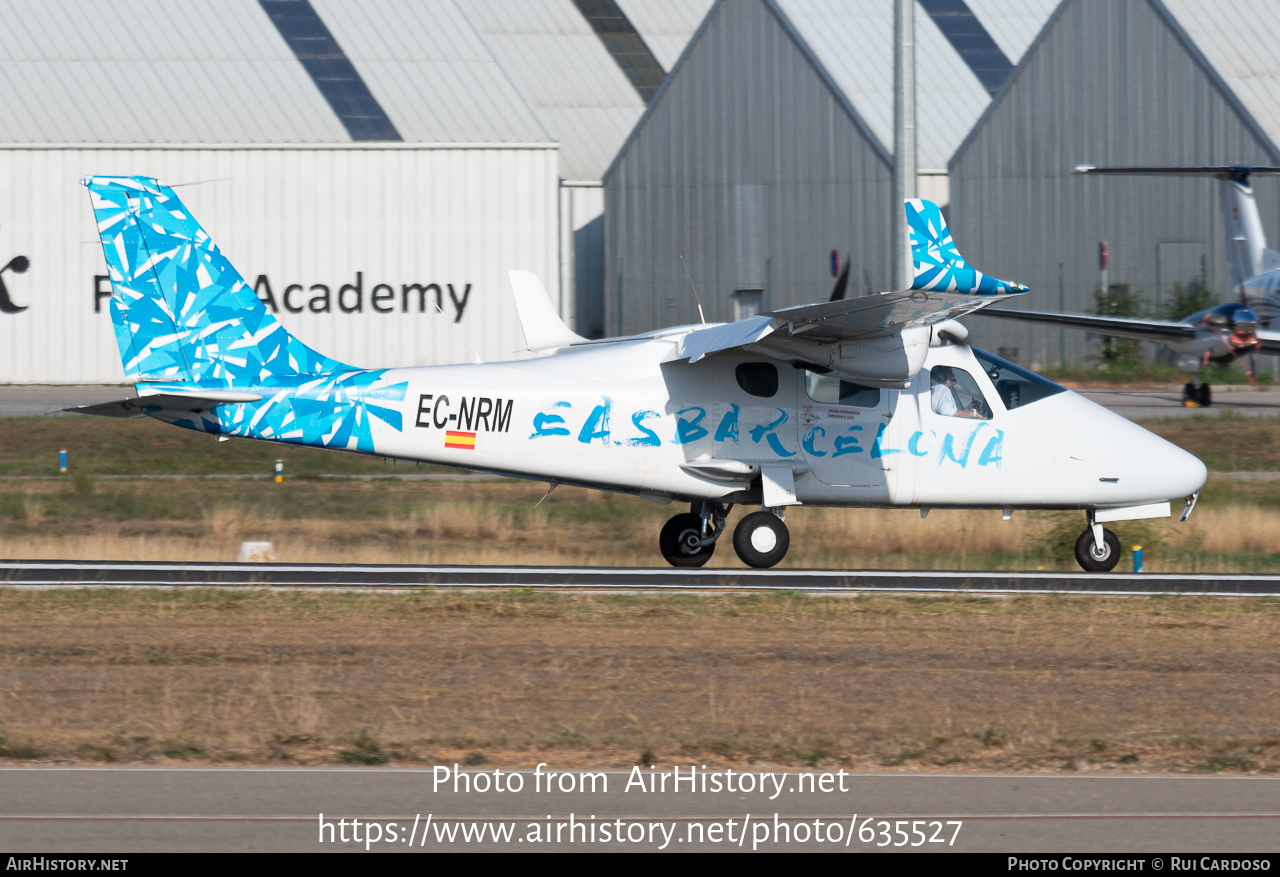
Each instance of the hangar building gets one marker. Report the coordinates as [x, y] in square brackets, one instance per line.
[373, 169]
[768, 147]
[1120, 83]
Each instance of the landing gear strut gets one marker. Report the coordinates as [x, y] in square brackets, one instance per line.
[761, 539]
[1194, 393]
[1097, 549]
[690, 539]
[1196, 396]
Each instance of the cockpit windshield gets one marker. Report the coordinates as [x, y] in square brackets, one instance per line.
[1017, 386]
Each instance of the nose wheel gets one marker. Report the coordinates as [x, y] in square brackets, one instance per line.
[761, 540]
[1094, 556]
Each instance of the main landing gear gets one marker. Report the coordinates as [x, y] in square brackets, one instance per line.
[761, 539]
[1097, 549]
[690, 539]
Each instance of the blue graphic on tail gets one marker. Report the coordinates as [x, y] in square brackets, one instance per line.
[185, 320]
[181, 311]
[325, 411]
[938, 264]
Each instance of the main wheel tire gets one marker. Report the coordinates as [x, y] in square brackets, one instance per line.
[1093, 560]
[677, 539]
[761, 540]
[1204, 398]
[1188, 392]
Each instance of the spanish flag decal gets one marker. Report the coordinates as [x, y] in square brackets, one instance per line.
[464, 440]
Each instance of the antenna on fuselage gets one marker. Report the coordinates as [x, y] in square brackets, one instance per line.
[701, 315]
[461, 337]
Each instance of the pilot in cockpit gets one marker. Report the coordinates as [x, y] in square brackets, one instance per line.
[945, 399]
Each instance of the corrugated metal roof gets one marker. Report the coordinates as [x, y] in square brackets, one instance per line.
[431, 70]
[1013, 24]
[1239, 39]
[565, 73]
[150, 71]
[949, 97]
[666, 25]
[218, 71]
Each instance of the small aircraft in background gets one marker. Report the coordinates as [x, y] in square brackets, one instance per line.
[1219, 335]
[873, 400]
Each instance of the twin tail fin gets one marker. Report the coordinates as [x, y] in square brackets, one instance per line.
[181, 311]
[936, 262]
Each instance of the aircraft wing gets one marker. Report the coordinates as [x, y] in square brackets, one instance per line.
[869, 316]
[1127, 327]
[943, 287]
[880, 314]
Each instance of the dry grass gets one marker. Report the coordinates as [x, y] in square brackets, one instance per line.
[493, 523]
[956, 683]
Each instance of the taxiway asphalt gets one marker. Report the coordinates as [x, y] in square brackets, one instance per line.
[390, 577]
[144, 809]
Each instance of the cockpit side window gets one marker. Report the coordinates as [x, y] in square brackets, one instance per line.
[833, 391]
[954, 393]
[758, 378]
[1017, 386]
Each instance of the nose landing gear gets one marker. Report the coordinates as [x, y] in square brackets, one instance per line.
[1097, 549]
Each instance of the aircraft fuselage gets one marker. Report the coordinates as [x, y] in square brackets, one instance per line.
[626, 417]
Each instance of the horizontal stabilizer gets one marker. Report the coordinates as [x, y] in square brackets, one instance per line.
[179, 401]
[543, 329]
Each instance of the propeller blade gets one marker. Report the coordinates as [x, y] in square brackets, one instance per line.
[842, 283]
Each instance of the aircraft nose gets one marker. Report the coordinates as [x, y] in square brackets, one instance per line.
[1164, 470]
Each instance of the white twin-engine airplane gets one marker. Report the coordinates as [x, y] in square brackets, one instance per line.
[867, 401]
[1219, 335]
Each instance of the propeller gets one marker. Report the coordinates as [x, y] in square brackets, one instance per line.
[1243, 322]
[842, 283]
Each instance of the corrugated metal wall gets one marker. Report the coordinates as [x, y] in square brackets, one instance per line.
[1110, 83]
[751, 166]
[307, 217]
